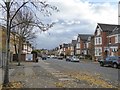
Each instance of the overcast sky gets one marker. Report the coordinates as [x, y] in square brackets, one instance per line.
[76, 16]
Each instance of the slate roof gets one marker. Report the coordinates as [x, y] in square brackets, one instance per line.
[107, 27]
[84, 37]
[65, 45]
[74, 42]
[116, 30]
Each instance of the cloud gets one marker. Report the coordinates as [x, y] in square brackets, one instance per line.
[76, 16]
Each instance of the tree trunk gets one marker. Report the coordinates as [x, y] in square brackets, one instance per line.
[6, 72]
[19, 51]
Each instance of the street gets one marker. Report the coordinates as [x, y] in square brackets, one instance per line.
[54, 73]
[92, 68]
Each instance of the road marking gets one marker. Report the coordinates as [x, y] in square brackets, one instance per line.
[66, 79]
[57, 73]
[63, 76]
[54, 72]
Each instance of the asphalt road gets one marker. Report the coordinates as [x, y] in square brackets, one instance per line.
[107, 73]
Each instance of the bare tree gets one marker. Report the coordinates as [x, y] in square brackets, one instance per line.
[25, 30]
[11, 8]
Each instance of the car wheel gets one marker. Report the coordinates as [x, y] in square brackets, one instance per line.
[101, 64]
[115, 65]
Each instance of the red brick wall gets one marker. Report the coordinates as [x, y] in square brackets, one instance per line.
[81, 46]
[104, 43]
[112, 39]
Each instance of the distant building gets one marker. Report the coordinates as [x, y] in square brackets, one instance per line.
[73, 47]
[82, 45]
[27, 48]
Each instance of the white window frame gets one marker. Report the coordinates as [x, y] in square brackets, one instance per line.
[78, 45]
[98, 40]
[116, 38]
[78, 51]
[98, 51]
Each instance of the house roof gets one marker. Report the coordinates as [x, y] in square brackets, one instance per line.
[116, 30]
[65, 45]
[107, 27]
[74, 42]
[84, 36]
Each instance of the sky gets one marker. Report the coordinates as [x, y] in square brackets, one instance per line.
[76, 17]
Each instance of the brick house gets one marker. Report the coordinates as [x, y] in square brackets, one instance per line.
[114, 42]
[73, 47]
[66, 49]
[13, 40]
[27, 48]
[101, 40]
[82, 45]
[90, 46]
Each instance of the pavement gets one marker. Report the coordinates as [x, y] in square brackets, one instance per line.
[41, 75]
[32, 75]
[1, 76]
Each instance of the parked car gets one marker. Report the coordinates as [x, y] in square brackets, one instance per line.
[44, 57]
[72, 59]
[48, 56]
[68, 58]
[113, 61]
[75, 59]
[60, 57]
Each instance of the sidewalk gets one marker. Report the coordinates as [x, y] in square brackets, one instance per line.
[1, 76]
[31, 75]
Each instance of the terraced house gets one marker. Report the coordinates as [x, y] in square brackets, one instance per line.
[106, 40]
[82, 45]
[114, 42]
[13, 43]
[73, 47]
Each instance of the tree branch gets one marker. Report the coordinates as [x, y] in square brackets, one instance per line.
[17, 11]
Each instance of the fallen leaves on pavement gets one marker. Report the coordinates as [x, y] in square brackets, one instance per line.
[14, 85]
[92, 80]
[59, 84]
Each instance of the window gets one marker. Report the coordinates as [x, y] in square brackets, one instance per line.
[98, 51]
[78, 52]
[78, 45]
[109, 40]
[116, 39]
[78, 39]
[84, 45]
[99, 40]
[87, 45]
[96, 40]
